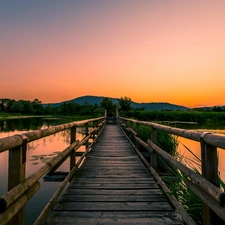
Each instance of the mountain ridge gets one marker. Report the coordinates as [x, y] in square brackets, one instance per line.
[90, 99]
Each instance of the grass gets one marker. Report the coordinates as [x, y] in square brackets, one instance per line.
[198, 119]
[5, 116]
[20, 116]
[165, 141]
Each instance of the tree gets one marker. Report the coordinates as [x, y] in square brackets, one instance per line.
[5, 104]
[108, 105]
[37, 106]
[217, 109]
[125, 103]
[48, 110]
[17, 107]
[73, 107]
[28, 107]
[64, 108]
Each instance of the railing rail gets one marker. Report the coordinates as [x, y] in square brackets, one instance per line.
[206, 186]
[17, 140]
[21, 189]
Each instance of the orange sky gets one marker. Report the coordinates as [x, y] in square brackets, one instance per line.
[149, 50]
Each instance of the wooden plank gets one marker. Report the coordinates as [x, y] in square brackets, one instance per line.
[115, 192]
[113, 198]
[117, 165]
[113, 214]
[104, 218]
[112, 180]
[113, 186]
[113, 171]
[115, 175]
[109, 221]
[112, 206]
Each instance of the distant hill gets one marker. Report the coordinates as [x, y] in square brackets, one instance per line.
[97, 100]
[209, 108]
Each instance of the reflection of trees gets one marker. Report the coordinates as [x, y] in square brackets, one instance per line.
[26, 124]
[63, 136]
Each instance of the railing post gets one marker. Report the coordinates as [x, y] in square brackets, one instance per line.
[210, 172]
[137, 131]
[94, 125]
[153, 155]
[17, 173]
[117, 115]
[73, 131]
[86, 133]
[129, 132]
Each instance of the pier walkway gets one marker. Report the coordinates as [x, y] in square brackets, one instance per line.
[113, 187]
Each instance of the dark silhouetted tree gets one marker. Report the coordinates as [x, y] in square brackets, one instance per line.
[108, 105]
[125, 103]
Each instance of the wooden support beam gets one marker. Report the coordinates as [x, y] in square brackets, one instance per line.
[73, 131]
[86, 133]
[210, 172]
[17, 173]
[153, 154]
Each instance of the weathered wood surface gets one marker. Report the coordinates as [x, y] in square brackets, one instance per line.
[113, 187]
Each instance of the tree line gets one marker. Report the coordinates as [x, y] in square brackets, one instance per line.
[36, 107]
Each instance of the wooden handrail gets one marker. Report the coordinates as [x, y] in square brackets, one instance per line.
[7, 215]
[211, 139]
[16, 140]
[206, 186]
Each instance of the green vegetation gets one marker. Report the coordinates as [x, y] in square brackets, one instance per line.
[11, 107]
[125, 104]
[189, 200]
[202, 118]
[164, 140]
[109, 106]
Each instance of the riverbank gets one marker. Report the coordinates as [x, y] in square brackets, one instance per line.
[19, 116]
[8, 116]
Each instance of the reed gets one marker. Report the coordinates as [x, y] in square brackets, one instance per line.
[189, 200]
[164, 140]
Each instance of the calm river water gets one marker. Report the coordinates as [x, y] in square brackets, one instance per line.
[41, 150]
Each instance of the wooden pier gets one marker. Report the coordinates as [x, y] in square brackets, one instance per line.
[115, 184]
[113, 187]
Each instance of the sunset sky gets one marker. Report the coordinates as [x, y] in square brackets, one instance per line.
[149, 50]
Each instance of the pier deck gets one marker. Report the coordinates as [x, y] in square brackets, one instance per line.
[113, 187]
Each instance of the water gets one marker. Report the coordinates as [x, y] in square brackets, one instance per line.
[38, 152]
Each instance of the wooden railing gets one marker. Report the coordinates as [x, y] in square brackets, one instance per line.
[205, 186]
[21, 189]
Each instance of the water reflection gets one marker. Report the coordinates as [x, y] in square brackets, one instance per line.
[26, 124]
[186, 149]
